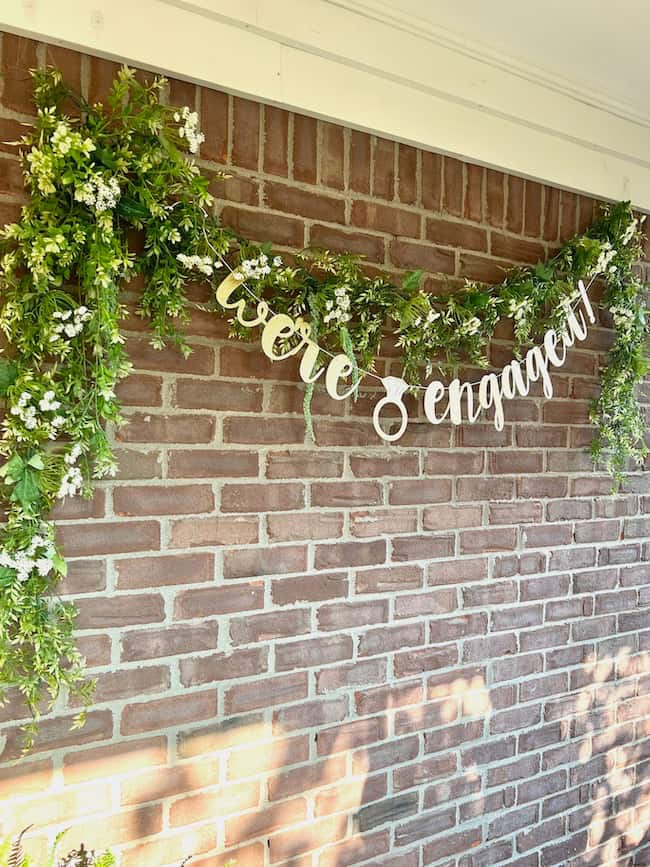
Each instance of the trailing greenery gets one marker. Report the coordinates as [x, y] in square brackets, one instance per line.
[115, 196]
[12, 854]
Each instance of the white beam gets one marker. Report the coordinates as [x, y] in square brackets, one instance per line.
[340, 61]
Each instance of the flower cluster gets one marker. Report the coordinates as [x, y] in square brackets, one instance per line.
[256, 269]
[339, 307]
[72, 479]
[64, 140]
[38, 555]
[603, 266]
[70, 323]
[203, 264]
[189, 130]
[97, 193]
[31, 412]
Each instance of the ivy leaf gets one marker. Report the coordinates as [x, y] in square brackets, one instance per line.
[543, 271]
[13, 469]
[411, 280]
[36, 461]
[60, 564]
[8, 374]
[26, 490]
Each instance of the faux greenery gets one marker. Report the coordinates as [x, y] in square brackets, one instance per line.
[114, 195]
[12, 854]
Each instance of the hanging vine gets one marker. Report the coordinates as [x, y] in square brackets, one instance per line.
[115, 194]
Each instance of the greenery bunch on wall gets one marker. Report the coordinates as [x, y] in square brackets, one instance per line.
[114, 195]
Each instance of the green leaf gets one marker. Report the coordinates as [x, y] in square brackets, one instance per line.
[131, 209]
[8, 374]
[60, 564]
[26, 490]
[411, 280]
[36, 461]
[13, 469]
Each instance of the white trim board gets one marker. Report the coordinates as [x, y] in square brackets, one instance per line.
[351, 63]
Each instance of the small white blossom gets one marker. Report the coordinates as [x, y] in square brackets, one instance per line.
[203, 264]
[339, 308]
[190, 128]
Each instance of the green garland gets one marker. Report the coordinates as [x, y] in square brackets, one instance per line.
[114, 195]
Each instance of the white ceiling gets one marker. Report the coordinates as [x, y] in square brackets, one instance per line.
[596, 49]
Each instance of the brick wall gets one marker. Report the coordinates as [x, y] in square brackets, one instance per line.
[346, 653]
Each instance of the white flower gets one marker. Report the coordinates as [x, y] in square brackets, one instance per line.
[204, 264]
[190, 128]
[339, 308]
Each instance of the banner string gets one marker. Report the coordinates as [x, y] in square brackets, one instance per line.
[362, 373]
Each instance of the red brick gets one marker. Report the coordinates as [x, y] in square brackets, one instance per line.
[293, 200]
[390, 578]
[57, 733]
[262, 498]
[250, 562]
[223, 666]
[102, 537]
[151, 715]
[145, 357]
[377, 522]
[265, 692]
[384, 168]
[143, 428]
[207, 463]
[214, 123]
[452, 171]
[200, 532]
[359, 161]
[291, 527]
[18, 56]
[515, 249]
[249, 431]
[422, 547]
[454, 234]
[122, 610]
[260, 226]
[246, 133]
[266, 627]
[141, 389]
[218, 396]
[384, 218]
[407, 174]
[514, 204]
[309, 588]
[431, 180]
[345, 494]
[551, 225]
[276, 141]
[141, 500]
[312, 652]
[168, 641]
[332, 147]
[345, 615]
[359, 673]
[338, 240]
[304, 148]
[206, 601]
[223, 802]
[420, 491]
[350, 554]
[84, 576]
[408, 254]
[309, 714]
